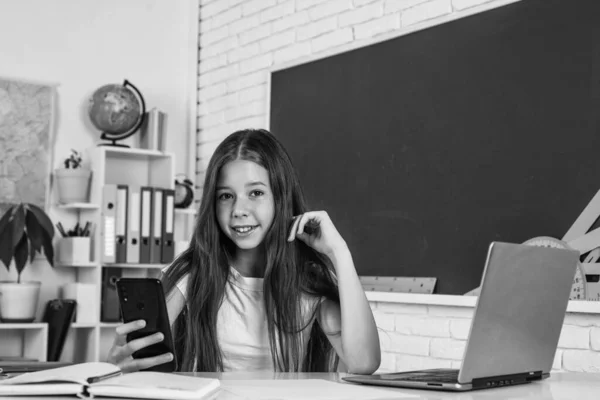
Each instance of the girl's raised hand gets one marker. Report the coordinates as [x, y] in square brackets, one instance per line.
[316, 229]
[121, 352]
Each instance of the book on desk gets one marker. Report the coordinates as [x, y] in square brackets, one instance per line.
[99, 379]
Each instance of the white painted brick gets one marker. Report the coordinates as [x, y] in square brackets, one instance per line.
[360, 3]
[218, 75]
[208, 148]
[256, 63]
[260, 32]
[254, 121]
[278, 40]
[232, 14]
[316, 28]
[211, 120]
[252, 93]
[291, 52]
[243, 52]
[245, 110]
[447, 348]
[331, 7]
[582, 319]
[388, 362]
[422, 326]
[376, 27]
[462, 4]
[406, 344]
[302, 4]
[330, 40]
[581, 361]
[385, 340]
[278, 11]
[208, 92]
[557, 363]
[221, 103]
[201, 109]
[397, 308]
[451, 312]
[211, 63]
[459, 328]
[385, 321]
[409, 363]
[595, 338]
[254, 6]
[574, 337]
[235, 2]
[219, 48]
[244, 81]
[204, 26]
[360, 15]
[212, 134]
[213, 36]
[291, 21]
[392, 6]
[213, 8]
[426, 11]
[244, 24]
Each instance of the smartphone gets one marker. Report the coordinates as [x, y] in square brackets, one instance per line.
[144, 298]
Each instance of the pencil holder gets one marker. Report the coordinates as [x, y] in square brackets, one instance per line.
[73, 250]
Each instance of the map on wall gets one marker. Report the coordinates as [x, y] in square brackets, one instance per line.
[26, 119]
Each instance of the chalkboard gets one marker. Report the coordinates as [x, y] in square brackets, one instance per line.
[426, 147]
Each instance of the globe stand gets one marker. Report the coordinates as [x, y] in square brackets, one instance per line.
[114, 142]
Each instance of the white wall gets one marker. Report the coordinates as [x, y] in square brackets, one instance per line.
[81, 45]
[241, 41]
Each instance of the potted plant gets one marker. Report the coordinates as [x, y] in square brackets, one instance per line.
[73, 180]
[75, 245]
[25, 229]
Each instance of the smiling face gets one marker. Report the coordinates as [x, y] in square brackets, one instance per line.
[244, 203]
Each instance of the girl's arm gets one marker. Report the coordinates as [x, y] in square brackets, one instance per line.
[350, 326]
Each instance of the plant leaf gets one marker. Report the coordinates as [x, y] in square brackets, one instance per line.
[42, 219]
[18, 224]
[48, 248]
[5, 218]
[21, 252]
[34, 231]
[32, 252]
[6, 250]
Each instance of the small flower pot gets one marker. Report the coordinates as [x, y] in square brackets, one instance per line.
[73, 185]
[73, 250]
[18, 301]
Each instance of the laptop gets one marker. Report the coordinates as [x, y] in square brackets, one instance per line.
[515, 329]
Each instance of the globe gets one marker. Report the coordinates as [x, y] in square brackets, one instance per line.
[116, 110]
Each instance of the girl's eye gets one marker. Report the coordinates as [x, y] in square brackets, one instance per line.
[224, 196]
[256, 193]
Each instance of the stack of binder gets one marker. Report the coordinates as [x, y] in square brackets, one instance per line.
[137, 224]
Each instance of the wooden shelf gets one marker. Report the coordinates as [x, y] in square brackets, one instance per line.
[77, 265]
[110, 325]
[186, 211]
[132, 152]
[79, 206]
[23, 325]
[140, 266]
[83, 325]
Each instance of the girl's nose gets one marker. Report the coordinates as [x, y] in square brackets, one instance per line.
[240, 209]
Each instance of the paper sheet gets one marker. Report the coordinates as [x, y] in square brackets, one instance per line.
[314, 389]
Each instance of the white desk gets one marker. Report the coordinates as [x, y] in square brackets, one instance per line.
[560, 386]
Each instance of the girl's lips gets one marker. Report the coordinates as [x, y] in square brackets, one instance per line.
[244, 230]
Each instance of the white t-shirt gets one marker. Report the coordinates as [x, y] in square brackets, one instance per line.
[242, 329]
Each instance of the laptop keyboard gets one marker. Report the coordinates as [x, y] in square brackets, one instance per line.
[434, 375]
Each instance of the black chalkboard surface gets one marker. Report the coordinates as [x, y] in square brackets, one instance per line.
[426, 147]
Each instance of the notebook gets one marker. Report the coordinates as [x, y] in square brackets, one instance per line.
[516, 326]
[99, 379]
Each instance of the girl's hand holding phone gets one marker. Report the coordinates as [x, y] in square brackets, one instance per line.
[121, 351]
[316, 229]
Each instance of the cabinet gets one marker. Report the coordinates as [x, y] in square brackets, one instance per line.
[90, 338]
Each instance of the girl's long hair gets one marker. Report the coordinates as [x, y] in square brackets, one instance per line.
[293, 270]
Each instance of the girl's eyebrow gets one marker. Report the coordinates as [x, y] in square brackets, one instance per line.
[254, 183]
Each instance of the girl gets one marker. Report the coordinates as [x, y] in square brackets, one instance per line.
[265, 284]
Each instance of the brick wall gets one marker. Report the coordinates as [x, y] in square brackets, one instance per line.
[241, 40]
[416, 336]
